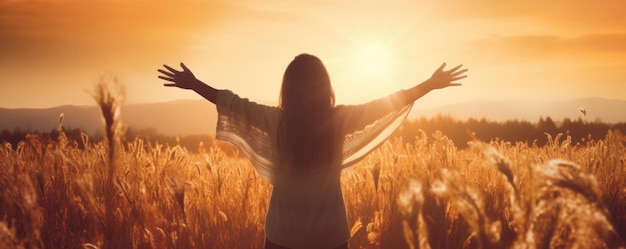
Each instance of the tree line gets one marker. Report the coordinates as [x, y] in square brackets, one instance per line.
[460, 132]
[76, 136]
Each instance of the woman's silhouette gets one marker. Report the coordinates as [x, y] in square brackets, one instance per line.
[301, 146]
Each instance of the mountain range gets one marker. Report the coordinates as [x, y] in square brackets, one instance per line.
[182, 117]
[188, 117]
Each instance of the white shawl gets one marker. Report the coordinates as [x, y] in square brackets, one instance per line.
[248, 126]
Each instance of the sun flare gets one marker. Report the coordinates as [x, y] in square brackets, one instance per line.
[372, 60]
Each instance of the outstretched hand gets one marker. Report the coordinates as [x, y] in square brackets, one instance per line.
[442, 78]
[186, 80]
[182, 79]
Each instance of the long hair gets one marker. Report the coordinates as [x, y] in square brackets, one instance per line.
[307, 137]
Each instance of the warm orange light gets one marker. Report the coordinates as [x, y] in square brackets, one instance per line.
[372, 60]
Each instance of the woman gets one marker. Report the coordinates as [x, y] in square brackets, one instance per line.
[301, 146]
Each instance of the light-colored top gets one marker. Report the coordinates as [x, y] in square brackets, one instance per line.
[306, 208]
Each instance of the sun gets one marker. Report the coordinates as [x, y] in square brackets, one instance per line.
[372, 60]
[369, 66]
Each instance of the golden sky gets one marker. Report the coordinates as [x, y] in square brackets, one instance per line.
[53, 51]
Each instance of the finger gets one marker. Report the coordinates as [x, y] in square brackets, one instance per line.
[459, 72]
[441, 67]
[184, 67]
[170, 85]
[455, 84]
[167, 78]
[171, 69]
[166, 73]
[455, 68]
[458, 78]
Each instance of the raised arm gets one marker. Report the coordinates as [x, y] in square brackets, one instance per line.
[186, 80]
[439, 80]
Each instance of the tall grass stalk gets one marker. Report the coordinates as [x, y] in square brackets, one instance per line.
[110, 106]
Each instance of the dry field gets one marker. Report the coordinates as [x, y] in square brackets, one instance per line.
[428, 194]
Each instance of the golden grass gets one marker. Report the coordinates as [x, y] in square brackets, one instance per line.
[427, 194]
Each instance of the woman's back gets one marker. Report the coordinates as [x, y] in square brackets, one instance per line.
[306, 208]
[308, 212]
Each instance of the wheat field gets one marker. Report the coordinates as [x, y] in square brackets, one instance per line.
[127, 193]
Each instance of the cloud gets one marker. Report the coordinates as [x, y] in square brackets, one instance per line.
[60, 46]
[46, 32]
[605, 48]
[582, 15]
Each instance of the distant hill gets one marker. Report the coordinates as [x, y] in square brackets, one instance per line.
[186, 117]
[181, 117]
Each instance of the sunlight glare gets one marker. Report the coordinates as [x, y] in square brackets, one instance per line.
[372, 60]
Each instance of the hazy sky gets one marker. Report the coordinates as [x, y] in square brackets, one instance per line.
[53, 51]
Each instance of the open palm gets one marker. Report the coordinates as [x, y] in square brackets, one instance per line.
[445, 78]
[182, 79]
